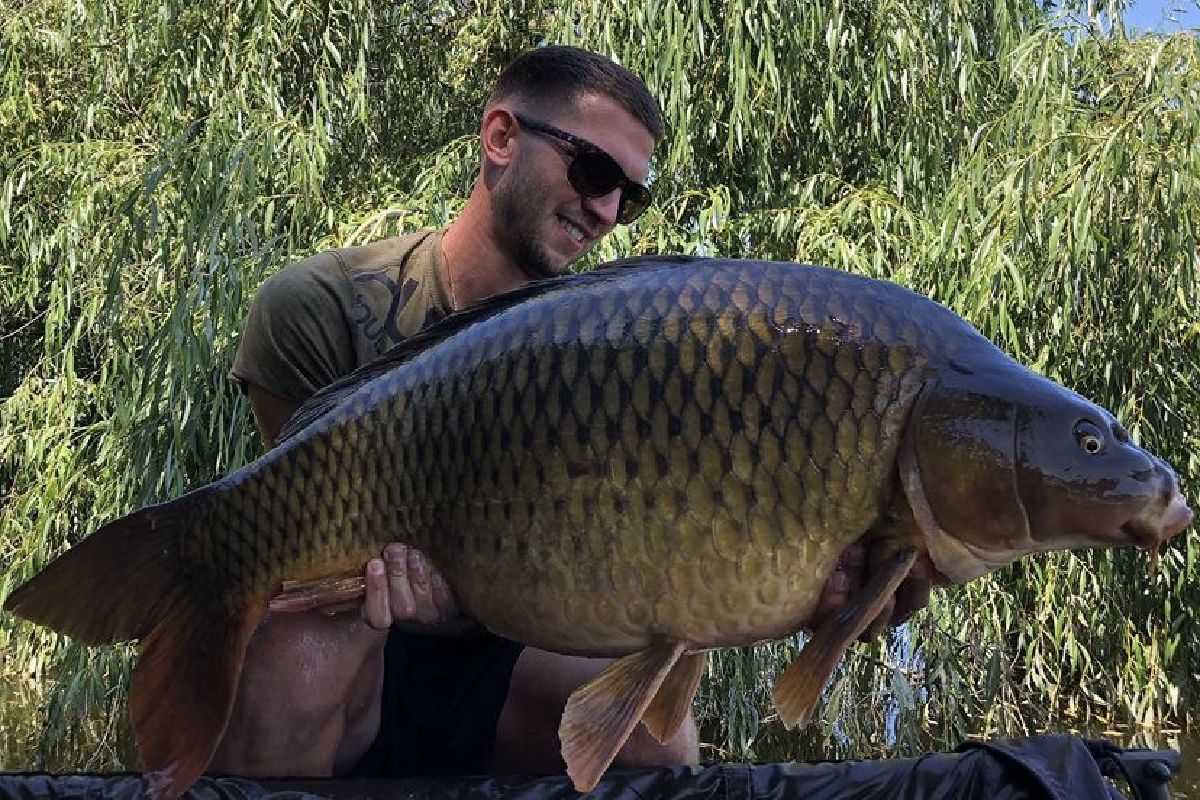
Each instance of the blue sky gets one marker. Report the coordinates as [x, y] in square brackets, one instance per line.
[1152, 15]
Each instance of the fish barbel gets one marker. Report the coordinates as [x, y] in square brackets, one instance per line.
[646, 461]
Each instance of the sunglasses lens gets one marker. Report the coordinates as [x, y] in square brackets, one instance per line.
[635, 199]
[596, 174]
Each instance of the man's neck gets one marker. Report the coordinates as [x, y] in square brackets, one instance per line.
[476, 268]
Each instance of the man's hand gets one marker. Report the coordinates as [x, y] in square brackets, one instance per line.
[850, 575]
[403, 586]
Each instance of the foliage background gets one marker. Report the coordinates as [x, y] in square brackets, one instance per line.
[1038, 175]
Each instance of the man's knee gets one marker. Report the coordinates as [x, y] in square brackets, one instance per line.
[643, 750]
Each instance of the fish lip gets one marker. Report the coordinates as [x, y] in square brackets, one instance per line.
[1150, 533]
[1141, 534]
[1178, 517]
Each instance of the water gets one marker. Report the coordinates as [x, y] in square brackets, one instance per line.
[1186, 785]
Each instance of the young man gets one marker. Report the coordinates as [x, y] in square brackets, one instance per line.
[566, 140]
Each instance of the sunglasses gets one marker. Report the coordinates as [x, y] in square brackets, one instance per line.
[594, 173]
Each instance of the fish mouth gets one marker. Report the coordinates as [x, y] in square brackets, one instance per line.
[1150, 530]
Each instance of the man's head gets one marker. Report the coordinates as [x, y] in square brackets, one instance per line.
[567, 138]
[547, 78]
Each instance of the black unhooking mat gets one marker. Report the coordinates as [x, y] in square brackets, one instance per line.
[1051, 767]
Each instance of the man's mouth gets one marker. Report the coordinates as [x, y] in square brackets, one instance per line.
[574, 231]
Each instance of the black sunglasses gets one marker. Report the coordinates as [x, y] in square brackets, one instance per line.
[594, 173]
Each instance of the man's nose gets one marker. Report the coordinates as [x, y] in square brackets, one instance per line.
[604, 208]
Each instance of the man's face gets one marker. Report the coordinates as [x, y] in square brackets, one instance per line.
[542, 222]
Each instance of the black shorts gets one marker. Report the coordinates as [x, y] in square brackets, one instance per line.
[441, 701]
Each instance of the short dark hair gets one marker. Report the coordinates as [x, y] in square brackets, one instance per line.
[552, 75]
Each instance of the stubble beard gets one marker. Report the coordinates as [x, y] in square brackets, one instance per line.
[518, 210]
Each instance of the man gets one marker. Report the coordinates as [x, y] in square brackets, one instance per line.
[566, 140]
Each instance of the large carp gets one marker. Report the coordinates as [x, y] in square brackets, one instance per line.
[649, 460]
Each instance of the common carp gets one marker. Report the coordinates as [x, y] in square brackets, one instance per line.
[647, 461]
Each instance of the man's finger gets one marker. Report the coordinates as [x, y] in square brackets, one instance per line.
[401, 600]
[833, 595]
[880, 623]
[424, 608]
[443, 598]
[375, 609]
[847, 576]
[853, 562]
[913, 594]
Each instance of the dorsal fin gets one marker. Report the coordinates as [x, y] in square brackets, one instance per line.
[328, 397]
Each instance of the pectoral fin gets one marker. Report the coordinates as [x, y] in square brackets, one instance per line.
[602, 713]
[670, 705]
[799, 687]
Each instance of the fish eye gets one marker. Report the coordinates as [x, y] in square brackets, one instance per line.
[1089, 437]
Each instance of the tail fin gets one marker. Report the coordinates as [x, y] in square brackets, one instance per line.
[183, 691]
[127, 581]
[111, 587]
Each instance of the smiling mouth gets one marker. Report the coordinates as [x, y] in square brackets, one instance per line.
[574, 231]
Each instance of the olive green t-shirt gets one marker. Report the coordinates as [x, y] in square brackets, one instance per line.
[317, 320]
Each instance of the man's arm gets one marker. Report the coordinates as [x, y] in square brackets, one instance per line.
[271, 412]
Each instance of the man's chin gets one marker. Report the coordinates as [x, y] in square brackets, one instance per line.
[538, 261]
[546, 265]
[538, 270]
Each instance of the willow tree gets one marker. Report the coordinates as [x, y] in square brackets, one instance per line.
[1039, 176]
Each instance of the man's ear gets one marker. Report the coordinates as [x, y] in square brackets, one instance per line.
[498, 135]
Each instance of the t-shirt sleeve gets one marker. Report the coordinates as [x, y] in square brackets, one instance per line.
[298, 336]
